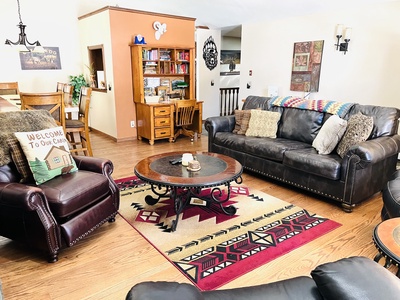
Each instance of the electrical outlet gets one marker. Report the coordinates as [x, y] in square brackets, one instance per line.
[132, 124]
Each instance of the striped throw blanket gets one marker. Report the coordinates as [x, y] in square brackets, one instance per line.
[328, 106]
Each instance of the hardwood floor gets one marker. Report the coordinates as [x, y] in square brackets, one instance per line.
[115, 257]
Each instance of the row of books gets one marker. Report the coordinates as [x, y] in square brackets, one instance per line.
[151, 68]
[165, 55]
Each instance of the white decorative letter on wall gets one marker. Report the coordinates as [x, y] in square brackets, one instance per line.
[159, 28]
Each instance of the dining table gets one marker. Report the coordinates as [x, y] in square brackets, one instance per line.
[13, 103]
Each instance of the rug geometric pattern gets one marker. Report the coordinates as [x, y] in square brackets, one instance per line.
[211, 248]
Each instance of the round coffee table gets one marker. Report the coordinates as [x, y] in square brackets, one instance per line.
[386, 238]
[177, 182]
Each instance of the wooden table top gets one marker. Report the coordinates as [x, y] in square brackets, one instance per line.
[387, 238]
[216, 169]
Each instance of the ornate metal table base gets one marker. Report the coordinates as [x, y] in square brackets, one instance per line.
[182, 196]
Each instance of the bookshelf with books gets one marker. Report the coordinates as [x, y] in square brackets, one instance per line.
[160, 65]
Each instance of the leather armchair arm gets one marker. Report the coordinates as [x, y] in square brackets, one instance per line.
[19, 195]
[373, 151]
[218, 124]
[94, 164]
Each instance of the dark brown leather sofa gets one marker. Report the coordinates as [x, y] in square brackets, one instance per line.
[350, 278]
[60, 212]
[290, 158]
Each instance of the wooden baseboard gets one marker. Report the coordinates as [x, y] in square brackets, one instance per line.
[113, 138]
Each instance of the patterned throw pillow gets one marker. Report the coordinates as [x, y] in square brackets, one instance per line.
[238, 120]
[47, 153]
[263, 123]
[19, 159]
[243, 123]
[359, 128]
[329, 135]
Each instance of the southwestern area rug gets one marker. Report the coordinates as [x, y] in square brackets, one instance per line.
[212, 248]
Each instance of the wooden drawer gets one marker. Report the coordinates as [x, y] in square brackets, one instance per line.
[162, 132]
[162, 111]
[159, 122]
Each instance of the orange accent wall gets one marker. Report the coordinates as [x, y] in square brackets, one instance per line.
[125, 25]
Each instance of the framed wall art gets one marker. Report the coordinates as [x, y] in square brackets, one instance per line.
[49, 60]
[306, 66]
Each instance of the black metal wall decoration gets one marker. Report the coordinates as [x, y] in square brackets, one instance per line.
[210, 53]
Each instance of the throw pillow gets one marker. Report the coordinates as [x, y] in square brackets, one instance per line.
[263, 123]
[245, 122]
[47, 153]
[330, 134]
[359, 128]
[238, 120]
[19, 159]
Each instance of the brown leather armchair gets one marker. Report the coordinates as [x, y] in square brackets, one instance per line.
[60, 212]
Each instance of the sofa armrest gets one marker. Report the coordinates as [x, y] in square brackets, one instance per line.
[218, 124]
[155, 290]
[18, 195]
[356, 278]
[94, 164]
[373, 151]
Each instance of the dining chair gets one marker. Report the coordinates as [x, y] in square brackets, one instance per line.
[9, 88]
[184, 112]
[60, 87]
[80, 126]
[53, 102]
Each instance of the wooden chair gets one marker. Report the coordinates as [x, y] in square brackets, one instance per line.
[53, 102]
[81, 126]
[68, 91]
[9, 88]
[60, 87]
[184, 112]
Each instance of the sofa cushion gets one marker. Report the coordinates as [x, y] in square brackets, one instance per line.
[308, 160]
[20, 161]
[305, 130]
[355, 278]
[358, 130]
[47, 153]
[72, 192]
[273, 149]
[263, 123]
[329, 135]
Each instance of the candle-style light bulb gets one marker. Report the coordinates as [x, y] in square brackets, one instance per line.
[347, 34]
[339, 30]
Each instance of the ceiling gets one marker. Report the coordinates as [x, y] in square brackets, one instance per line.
[228, 15]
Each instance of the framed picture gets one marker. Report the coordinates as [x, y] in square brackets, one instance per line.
[161, 90]
[306, 66]
[49, 60]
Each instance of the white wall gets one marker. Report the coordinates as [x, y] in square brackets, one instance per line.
[54, 23]
[94, 31]
[367, 74]
[204, 90]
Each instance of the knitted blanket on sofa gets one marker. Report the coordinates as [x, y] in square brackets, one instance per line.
[328, 106]
[21, 121]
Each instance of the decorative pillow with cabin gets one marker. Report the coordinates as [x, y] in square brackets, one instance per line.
[47, 153]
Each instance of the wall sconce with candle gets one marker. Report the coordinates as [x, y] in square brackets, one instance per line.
[346, 35]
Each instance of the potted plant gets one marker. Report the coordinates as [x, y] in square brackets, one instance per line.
[92, 72]
[77, 82]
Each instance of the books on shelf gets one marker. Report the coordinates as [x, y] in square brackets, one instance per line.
[150, 54]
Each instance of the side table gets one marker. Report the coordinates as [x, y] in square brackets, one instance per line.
[386, 238]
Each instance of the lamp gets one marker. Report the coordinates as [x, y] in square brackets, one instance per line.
[23, 43]
[344, 46]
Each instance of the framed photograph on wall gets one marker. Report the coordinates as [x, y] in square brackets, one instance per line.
[48, 60]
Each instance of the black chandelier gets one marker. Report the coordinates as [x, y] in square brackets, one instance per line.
[23, 43]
